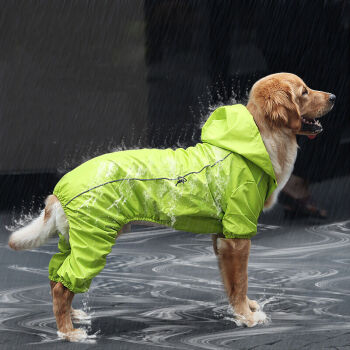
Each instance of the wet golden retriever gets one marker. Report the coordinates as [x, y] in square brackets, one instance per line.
[282, 106]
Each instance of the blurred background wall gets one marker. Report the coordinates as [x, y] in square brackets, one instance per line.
[81, 78]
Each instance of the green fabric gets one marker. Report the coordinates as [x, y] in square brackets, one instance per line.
[218, 186]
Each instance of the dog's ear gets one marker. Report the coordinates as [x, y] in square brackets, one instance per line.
[281, 109]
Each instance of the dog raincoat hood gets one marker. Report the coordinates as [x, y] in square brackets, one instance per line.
[233, 128]
[218, 186]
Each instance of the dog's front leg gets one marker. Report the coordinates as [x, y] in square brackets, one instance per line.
[62, 299]
[233, 255]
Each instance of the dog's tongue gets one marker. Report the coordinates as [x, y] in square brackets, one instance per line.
[311, 137]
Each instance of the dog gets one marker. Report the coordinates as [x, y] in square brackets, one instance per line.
[246, 157]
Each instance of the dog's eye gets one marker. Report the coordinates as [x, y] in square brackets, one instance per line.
[305, 92]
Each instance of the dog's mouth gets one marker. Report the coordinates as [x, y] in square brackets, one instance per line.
[310, 127]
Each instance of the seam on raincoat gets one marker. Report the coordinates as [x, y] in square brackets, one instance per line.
[241, 185]
[179, 179]
[262, 176]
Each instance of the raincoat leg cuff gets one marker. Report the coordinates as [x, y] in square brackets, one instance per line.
[244, 236]
[68, 285]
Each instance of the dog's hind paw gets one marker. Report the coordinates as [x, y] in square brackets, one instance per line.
[80, 316]
[75, 335]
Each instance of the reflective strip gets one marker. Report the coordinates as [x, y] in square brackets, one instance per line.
[179, 179]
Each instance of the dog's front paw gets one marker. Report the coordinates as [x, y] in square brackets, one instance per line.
[75, 335]
[80, 316]
[246, 316]
[259, 317]
[253, 305]
[251, 319]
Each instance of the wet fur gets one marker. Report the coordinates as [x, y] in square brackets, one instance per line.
[277, 104]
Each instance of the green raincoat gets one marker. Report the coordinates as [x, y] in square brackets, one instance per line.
[217, 186]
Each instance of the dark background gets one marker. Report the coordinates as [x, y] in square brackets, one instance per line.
[80, 78]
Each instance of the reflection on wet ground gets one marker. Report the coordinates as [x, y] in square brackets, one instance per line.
[161, 289]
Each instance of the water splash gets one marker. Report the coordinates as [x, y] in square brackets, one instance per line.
[23, 219]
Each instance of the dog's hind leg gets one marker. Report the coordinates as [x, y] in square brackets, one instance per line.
[77, 315]
[62, 299]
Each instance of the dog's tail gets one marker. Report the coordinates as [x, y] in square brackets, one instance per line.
[38, 231]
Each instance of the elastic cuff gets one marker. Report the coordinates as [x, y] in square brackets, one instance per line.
[68, 285]
[245, 236]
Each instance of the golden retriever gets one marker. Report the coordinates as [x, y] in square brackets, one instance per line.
[282, 106]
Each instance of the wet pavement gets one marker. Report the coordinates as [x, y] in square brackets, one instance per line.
[161, 289]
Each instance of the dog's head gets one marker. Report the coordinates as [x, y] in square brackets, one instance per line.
[283, 100]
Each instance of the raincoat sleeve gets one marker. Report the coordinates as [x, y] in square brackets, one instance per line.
[243, 209]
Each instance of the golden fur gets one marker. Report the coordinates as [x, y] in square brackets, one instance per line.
[278, 103]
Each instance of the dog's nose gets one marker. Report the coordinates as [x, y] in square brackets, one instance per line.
[332, 98]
